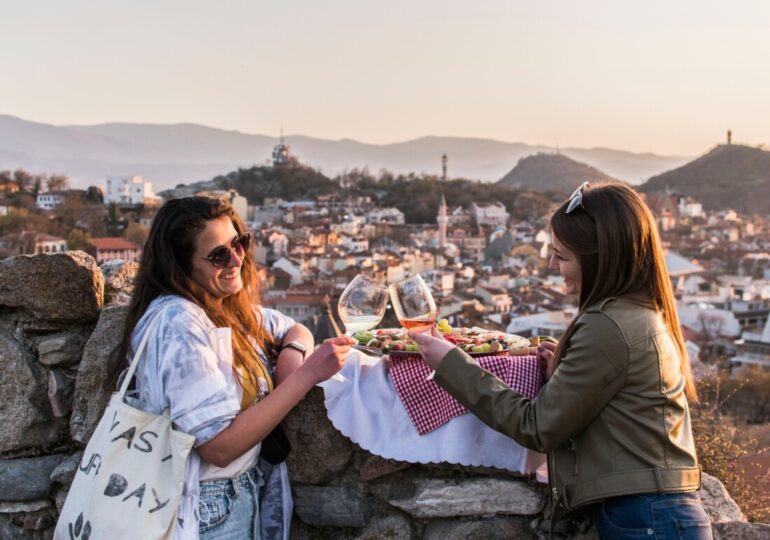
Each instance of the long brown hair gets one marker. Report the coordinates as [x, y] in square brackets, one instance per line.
[165, 269]
[615, 237]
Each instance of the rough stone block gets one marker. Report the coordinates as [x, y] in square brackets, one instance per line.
[27, 419]
[119, 279]
[61, 350]
[338, 506]
[27, 479]
[65, 471]
[740, 530]
[396, 527]
[62, 286]
[39, 521]
[90, 398]
[473, 497]
[13, 531]
[718, 503]
[499, 528]
[307, 426]
[375, 467]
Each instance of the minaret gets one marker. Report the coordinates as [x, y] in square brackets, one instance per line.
[443, 168]
[729, 136]
[442, 222]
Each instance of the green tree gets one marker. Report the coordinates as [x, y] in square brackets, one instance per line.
[57, 182]
[78, 239]
[95, 195]
[23, 219]
[24, 179]
[136, 233]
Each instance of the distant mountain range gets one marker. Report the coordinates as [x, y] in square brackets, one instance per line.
[552, 172]
[168, 155]
[729, 176]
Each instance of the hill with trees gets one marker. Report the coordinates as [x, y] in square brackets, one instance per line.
[729, 176]
[291, 182]
[551, 172]
[417, 196]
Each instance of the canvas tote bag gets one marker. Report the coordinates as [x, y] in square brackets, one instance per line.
[130, 480]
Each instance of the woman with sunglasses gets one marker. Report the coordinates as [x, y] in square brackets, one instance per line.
[613, 415]
[208, 363]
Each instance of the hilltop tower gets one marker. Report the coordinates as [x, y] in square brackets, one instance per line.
[281, 154]
[729, 136]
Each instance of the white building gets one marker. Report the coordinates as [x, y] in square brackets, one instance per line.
[30, 243]
[690, 209]
[494, 300]
[386, 215]
[294, 269]
[354, 244]
[128, 190]
[49, 200]
[493, 214]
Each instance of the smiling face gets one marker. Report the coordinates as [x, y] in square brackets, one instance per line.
[567, 264]
[218, 282]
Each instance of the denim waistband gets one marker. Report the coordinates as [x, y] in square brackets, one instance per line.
[250, 479]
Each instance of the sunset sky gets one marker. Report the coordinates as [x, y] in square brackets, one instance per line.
[660, 76]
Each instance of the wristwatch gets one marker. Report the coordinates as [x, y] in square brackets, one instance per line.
[297, 346]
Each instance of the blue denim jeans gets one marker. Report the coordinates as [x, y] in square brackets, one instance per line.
[229, 508]
[675, 516]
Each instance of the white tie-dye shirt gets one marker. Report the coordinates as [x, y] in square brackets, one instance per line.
[187, 369]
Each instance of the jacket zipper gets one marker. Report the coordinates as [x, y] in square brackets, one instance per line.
[573, 448]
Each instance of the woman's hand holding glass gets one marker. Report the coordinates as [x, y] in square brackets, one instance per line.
[433, 346]
[329, 357]
[545, 353]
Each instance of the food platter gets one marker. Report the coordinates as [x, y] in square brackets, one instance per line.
[474, 341]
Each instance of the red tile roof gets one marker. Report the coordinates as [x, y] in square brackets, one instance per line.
[112, 244]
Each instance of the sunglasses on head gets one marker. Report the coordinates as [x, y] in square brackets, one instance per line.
[220, 257]
[576, 199]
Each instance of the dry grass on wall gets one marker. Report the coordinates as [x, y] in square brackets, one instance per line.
[722, 438]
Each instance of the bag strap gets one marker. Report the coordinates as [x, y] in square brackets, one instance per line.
[139, 350]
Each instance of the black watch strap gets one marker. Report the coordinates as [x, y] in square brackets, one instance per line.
[297, 346]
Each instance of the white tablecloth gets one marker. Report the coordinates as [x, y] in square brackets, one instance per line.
[368, 411]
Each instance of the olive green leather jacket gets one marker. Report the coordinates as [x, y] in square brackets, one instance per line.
[613, 418]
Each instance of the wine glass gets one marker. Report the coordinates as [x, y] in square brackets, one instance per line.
[361, 307]
[362, 304]
[414, 305]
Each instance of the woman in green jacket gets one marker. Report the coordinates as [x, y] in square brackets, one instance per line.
[613, 416]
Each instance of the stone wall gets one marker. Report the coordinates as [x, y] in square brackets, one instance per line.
[61, 318]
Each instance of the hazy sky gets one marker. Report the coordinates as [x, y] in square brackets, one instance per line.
[663, 76]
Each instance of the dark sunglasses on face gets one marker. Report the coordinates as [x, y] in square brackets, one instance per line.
[220, 257]
[576, 199]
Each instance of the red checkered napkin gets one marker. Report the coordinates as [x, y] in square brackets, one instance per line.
[430, 406]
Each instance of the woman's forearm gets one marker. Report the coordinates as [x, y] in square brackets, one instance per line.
[252, 425]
